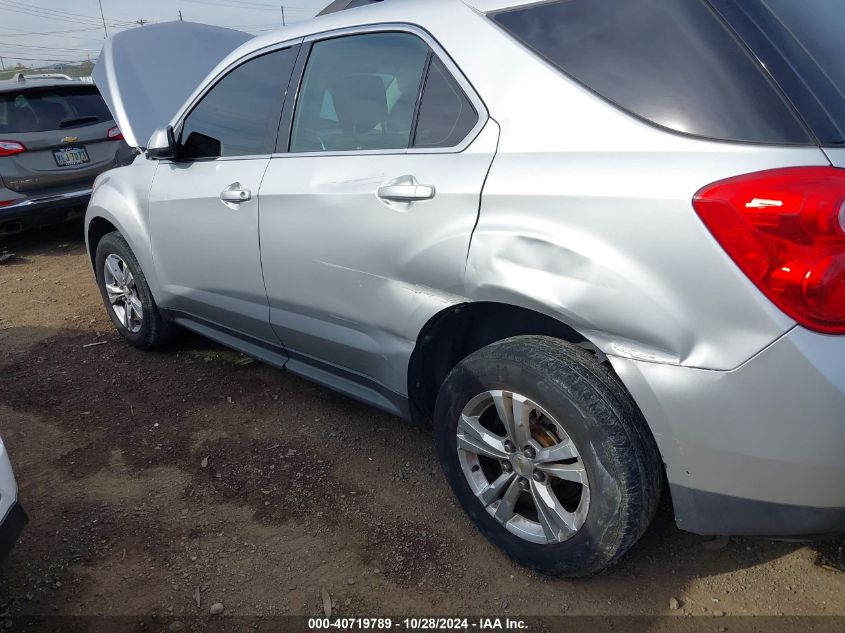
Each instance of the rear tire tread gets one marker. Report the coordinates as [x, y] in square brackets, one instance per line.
[578, 373]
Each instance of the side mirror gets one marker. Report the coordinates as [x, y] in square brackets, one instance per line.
[200, 146]
[162, 144]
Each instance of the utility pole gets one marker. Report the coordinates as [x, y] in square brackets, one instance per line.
[103, 18]
[180, 15]
[283, 15]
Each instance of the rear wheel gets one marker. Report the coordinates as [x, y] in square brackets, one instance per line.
[127, 296]
[547, 453]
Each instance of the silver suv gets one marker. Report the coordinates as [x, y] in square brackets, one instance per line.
[56, 136]
[600, 244]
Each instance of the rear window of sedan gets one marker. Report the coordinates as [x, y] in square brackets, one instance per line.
[44, 109]
[673, 64]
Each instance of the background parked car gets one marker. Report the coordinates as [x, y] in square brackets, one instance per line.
[56, 136]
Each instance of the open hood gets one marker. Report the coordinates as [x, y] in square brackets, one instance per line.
[146, 74]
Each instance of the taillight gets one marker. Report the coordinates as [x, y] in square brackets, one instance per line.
[114, 134]
[785, 229]
[10, 148]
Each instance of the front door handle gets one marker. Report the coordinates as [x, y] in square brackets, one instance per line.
[235, 196]
[406, 189]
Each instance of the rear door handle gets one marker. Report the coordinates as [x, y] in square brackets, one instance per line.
[406, 189]
[235, 196]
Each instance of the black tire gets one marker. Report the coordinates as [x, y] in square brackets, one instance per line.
[155, 331]
[619, 454]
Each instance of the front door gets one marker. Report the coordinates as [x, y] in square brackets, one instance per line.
[204, 205]
[366, 220]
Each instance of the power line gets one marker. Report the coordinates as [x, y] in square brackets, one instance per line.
[51, 14]
[35, 12]
[23, 33]
[35, 7]
[56, 12]
[7, 45]
[103, 18]
[37, 15]
[231, 4]
[45, 59]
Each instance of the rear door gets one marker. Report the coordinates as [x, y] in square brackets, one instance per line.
[367, 214]
[204, 205]
[66, 132]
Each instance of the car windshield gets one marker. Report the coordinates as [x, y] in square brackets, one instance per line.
[55, 108]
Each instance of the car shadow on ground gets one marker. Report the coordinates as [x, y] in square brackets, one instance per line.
[63, 362]
[52, 237]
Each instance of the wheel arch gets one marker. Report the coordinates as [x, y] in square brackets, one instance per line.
[459, 330]
[98, 227]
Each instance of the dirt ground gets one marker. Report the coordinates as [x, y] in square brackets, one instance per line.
[157, 481]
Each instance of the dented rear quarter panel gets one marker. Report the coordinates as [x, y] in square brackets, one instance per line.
[587, 216]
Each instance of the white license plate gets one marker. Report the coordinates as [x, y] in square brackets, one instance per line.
[71, 156]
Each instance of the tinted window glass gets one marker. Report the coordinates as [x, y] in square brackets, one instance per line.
[51, 109]
[801, 45]
[672, 63]
[359, 93]
[239, 116]
[446, 116]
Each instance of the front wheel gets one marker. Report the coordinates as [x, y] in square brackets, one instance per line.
[127, 296]
[547, 454]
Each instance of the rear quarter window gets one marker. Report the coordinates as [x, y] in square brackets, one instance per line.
[801, 45]
[674, 64]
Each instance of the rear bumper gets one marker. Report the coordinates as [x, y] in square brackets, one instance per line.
[757, 450]
[711, 513]
[43, 208]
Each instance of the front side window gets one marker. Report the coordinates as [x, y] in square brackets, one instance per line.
[240, 115]
[359, 92]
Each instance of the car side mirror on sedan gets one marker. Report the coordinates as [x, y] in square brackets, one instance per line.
[162, 144]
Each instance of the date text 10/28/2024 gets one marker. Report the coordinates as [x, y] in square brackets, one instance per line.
[417, 624]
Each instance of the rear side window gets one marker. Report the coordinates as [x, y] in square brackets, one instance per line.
[674, 64]
[446, 116]
[801, 44]
[46, 109]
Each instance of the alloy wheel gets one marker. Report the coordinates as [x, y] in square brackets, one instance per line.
[523, 467]
[123, 293]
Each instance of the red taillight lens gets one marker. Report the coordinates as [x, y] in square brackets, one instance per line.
[114, 134]
[785, 229]
[10, 148]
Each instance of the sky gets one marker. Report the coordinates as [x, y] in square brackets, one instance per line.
[42, 32]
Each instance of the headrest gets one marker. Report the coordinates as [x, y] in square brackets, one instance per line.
[360, 102]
